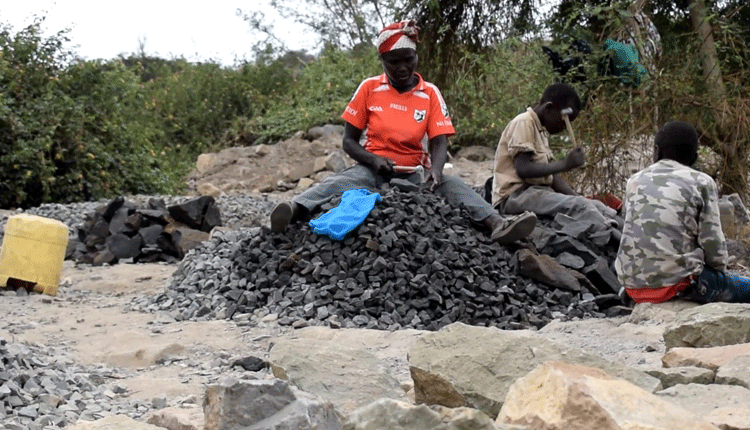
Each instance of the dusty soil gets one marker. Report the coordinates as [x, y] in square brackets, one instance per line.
[91, 320]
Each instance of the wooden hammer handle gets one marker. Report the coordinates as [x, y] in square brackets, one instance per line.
[570, 130]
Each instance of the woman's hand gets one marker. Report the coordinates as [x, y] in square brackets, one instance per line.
[436, 177]
[382, 165]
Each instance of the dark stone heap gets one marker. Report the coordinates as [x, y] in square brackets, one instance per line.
[124, 230]
[415, 262]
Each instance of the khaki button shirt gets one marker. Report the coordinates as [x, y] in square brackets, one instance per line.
[523, 134]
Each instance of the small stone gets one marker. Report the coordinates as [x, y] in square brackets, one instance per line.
[300, 323]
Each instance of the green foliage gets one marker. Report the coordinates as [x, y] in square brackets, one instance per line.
[104, 146]
[193, 104]
[66, 130]
[77, 130]
[317, 95]
[489, 88]
[29, 66]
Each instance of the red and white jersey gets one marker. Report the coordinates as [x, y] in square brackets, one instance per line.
[396, 122]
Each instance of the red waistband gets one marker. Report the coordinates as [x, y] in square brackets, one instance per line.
[658, 295]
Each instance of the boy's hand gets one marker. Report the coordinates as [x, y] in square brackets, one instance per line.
[575, 158]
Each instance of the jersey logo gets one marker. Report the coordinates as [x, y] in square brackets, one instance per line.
[375, 109]
[419, 115]
[444, 109]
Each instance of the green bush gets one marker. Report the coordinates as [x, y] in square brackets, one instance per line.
[75, 130]
[317, 95]
[29, 104]
[489, 89]
[108, 147]
[67, 128]
[193, 104]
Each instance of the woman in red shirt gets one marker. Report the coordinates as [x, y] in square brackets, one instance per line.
[400, 110]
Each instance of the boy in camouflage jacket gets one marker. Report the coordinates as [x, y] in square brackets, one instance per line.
[672, 242]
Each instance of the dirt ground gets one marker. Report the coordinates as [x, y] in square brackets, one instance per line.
[90, 318]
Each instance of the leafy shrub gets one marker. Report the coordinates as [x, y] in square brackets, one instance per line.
[489, 89]
[316, 96]
[193, 104]
[67, 129]
[106, 145]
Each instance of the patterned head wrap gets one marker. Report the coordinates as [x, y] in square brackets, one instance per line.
[398, 35]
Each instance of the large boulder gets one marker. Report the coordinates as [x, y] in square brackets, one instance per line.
[682, 375]
[727, 406]
[707, 358]
[658, 313]
[557, 396]
[463, 365]
[185, 417]
[396, 415]
[347, 377]
[714, 324]
[735, 372]
[265, 405]
[326, 133]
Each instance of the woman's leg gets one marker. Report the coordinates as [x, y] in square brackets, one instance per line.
[355, 177]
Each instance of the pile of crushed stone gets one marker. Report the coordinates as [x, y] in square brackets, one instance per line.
[415, 262]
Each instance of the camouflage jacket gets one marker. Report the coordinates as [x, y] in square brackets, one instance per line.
[672, 226]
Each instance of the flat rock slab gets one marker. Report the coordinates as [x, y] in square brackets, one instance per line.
[566, 396]
[714, 324]
[185, 417]
[390, 347]
[345, 376]
[265, 405]
[464, 365]
[682, 375]
[726, 406]
[665, 312]
[395, 415]
[707, 358]
[115, 422]
[735, 372]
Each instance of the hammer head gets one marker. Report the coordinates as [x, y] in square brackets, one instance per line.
[565, 113]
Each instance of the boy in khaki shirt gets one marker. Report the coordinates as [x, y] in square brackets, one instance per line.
[526, 176]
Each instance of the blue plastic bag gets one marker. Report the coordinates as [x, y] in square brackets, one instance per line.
[354, 207]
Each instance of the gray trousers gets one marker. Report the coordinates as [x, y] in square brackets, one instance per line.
[543, 200]
[453, 189]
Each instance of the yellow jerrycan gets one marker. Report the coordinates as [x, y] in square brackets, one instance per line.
[33, 252]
